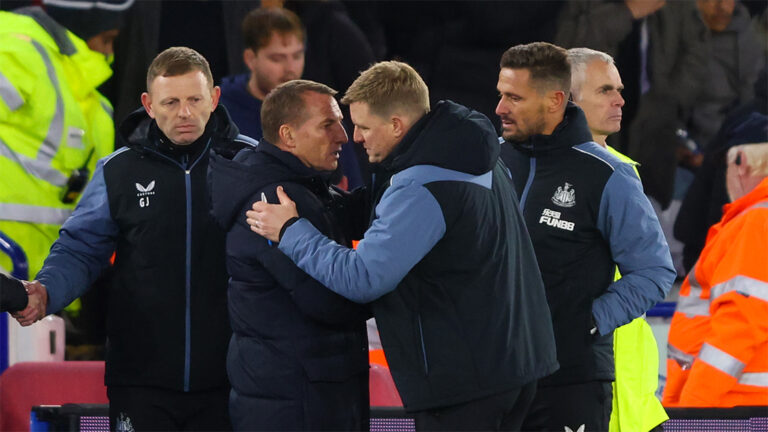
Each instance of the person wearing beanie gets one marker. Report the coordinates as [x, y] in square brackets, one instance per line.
[54, 123]
[717, 351]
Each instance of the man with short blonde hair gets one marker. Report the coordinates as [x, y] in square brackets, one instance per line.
[446, 261]
[388, 87]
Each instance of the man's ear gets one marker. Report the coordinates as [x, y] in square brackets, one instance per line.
[249, 58]
[557, 100]
[398, 126]
[742, 164]
[215, 96]
[286, 136]
[146, 102]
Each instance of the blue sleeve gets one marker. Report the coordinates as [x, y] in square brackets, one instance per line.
[629, 224]
[408, 223]
[86, 242]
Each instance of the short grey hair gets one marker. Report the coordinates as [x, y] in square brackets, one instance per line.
[580, 58]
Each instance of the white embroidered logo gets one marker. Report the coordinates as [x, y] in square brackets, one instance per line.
[144, 193]
[580, 429]
[552, 218]
[565, 196]
[124, 424]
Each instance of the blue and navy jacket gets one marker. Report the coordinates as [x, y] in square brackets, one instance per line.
[288, 329]
[167, 323]
[586, 213]
[448, 264]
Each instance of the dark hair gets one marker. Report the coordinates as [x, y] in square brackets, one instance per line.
[285, 104]
[176, 61]
[547, 63]
[259, 25]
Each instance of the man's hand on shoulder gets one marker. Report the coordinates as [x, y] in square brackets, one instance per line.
[268, 220]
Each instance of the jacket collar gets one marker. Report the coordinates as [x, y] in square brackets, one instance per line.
[571, 131]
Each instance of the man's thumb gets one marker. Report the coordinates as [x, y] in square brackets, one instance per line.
[282, 196]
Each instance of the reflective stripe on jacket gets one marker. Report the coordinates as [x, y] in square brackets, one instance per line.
[53, 121]
[718, 339]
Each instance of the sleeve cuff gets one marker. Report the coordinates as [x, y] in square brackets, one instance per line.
[287, 223]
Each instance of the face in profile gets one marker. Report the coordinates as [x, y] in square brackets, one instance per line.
[181, 105]
[600, 98]
[521, 108]
[103, 42]
[317, 141]
[376, 134]
[281, 60]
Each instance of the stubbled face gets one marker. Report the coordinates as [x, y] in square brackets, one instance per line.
[716, 14]
[319, 139]
[521, 107]
[281, 60]
[375, 133]
[181, 105]
[600, 98]
[103, 42]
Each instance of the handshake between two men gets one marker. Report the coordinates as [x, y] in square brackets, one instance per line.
[24, 299]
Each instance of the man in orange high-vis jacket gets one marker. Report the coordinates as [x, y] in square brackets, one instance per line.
[718, 339]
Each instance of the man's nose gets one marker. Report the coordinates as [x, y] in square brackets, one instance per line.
[184, 110]
[340, 134]
[501, 108]
[357, 136]
[295, 66]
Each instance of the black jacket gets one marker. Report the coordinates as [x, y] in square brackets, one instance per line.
[167, 323]
[288, 328]
[586, 213]
[460, 305]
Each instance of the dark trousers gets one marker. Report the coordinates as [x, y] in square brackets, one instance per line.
[309, 406]
[556, 407]
[156, 409]
[500, 412]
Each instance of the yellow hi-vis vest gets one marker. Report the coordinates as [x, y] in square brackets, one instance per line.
[636, 356]
[53, 121]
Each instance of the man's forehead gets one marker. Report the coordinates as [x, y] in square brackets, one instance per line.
[283, 41]
[321, 105]
[177, 82]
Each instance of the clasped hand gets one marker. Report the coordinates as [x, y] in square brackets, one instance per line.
[36, 304]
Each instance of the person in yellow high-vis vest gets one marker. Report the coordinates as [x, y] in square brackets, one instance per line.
[596, 87]
[54, 124]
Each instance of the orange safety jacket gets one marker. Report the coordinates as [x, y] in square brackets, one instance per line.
[718, 339]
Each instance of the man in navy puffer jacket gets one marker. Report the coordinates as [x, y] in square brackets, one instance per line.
[298, 357]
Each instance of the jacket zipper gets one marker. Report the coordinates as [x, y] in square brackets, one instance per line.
[528, 183]
[423, 346]
[184, 165]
